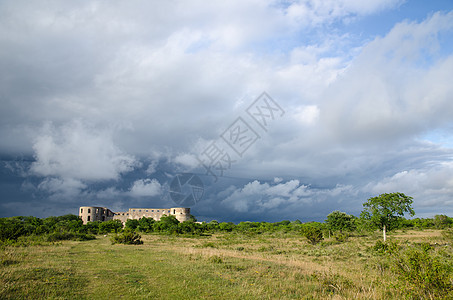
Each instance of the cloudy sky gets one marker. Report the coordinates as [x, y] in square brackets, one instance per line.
[103, 103]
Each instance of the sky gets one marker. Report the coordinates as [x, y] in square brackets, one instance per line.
[283, 110]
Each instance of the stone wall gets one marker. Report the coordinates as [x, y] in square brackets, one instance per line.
[182, 214]
[95, 213]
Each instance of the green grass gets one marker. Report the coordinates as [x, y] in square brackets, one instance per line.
[222, 266]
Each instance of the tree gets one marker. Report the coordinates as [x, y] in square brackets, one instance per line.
[385, 210]
[441, 221]
[110, 226]
[166, 223]
[146, 224]
[213, 225]
[339, 221]
[224, 226]
[132, 224]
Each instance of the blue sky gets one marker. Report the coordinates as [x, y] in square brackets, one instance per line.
[104, 103]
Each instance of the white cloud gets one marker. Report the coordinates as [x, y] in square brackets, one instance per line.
[146, 187]
[395, 88]
[81, 152]
[278, 179]
[430, 187]
[308, 114]
[258, 197]
[187, 160]
[110, 193]
[318, 12]
[152, 167]
[62, 189]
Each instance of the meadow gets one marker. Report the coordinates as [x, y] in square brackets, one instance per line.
[413, 264]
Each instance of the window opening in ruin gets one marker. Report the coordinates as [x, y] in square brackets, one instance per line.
[174, 211]
[81, 210]
[88, 218]
[89, 210]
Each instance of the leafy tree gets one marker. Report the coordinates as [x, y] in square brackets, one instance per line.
[386, 210]
[267, 227]
[340, 221]
[247, 226]
[213, 225]
[110, 226]
[228, 227]
[167, 223]
[11, 228]
[190, 227]
[132, 224]
[30, 224]
[442, 221]
[146, 224]
[92, 227]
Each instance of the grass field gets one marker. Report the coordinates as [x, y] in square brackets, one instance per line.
[222, 266]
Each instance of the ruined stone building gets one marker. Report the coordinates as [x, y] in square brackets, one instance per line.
[95, 213]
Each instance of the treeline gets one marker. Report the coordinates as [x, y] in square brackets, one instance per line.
[67, 227]
[70, 227]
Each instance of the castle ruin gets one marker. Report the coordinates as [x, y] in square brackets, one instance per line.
[96, 213]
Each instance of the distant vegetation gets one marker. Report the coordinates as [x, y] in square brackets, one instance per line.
[70, 227]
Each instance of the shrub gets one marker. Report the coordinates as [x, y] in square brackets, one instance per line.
[341, 237]
[423, 274]
[127, 237]
[312, 234]
[385, 248]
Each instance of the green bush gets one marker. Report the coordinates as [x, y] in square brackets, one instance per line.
[312, 234]
[423, 274]
[127, 237]
[388, 247]
[341, 237]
